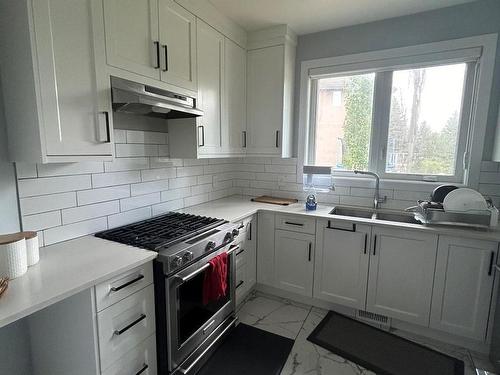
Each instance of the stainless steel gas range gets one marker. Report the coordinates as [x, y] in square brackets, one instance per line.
[187, 330]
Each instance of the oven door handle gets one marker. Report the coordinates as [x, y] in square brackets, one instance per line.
[189, 276]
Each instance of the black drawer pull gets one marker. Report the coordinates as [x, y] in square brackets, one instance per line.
[296, 224]
[239, 252]
[309, 257]
[144, 368]
[366, 240]
[492, 257]
[240, 284]
[353, 229]
[374, 244]
[117, 288]
[118, 332]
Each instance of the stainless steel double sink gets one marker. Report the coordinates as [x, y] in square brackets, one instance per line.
[399, 217]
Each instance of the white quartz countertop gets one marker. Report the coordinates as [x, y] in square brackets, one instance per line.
[65, 269]
[235, 208]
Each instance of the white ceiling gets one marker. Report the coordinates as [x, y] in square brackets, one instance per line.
[308, 16]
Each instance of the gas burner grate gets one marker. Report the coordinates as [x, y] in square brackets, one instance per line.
[161, 231]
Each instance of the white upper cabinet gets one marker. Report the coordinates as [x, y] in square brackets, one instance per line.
[270, 76]
[56, 92]
[132, 36]
[401, 274]
[294, 262]
[234, 101]
[342, 259]
[177, 45]
[462, 287]
[152, 38]
[210, 50]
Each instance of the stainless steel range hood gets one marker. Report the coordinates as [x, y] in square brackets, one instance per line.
[136, 98]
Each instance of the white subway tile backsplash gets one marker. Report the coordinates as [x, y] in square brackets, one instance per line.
[128, 217]
[64, 201]
[153, 138]
[130, 150]
[195, 199]
[115, 178]
[173, 205]
[44, 203]
[66, 169]
[148, 187]
[174, 194]
[158, 174]
[181, 182]
[75, 214]
[67, 232]
[131, 203]
[102, 194]
[120, 135]
[42, 221]
[26, 170]
[50, 185]
[126, 164]
[189, 171]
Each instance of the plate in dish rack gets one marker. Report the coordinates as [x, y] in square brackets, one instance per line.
[464, 200]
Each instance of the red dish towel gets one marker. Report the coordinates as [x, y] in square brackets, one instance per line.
[215, 282]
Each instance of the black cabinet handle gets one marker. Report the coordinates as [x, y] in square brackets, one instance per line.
[157, 46]
[277, 138]
[240, 284]
[292, 223]
[366, 241]
[118, 332]
[202, 137]
[492, 258]
[144, 368]
[353, 229]
[165, 48]
[239, 252]
[374, 244]
[310, 251]
[250, 231]
[244, 138]
[117, 288]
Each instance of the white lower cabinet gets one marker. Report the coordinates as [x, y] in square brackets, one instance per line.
[294, 253]
[139, 360]
[462, 286]
[246, 259]
[341, 262]
[401, 274]
[265, 249]
[125, 324]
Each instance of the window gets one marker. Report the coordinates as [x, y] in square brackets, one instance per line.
[404, 123]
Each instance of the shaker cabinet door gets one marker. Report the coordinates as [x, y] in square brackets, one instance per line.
[74, 90]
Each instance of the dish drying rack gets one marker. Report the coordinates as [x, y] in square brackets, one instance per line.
[431, 213]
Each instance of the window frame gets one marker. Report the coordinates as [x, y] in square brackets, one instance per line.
[475, 101]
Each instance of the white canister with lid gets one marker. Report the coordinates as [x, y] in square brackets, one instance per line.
[32, 249]
[13, 258]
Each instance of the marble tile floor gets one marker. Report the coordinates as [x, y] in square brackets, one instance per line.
[296, 321]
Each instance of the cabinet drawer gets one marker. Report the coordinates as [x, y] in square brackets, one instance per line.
[125, 324]
[296, 223]
[120, 287]
[141, 358]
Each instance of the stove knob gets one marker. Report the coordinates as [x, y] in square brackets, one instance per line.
[187, 257]
[228, 237]
[210, 246]
[176, 262]
[236, 232]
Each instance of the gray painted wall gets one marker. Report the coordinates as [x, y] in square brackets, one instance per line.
[481, 17]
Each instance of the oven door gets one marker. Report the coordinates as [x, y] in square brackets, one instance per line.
[189, 321]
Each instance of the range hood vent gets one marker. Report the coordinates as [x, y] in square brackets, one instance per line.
[138, 99]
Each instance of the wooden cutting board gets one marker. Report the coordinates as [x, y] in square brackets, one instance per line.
[274, 200]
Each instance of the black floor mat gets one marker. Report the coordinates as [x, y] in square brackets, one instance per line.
[249, 351]
[380, 351]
